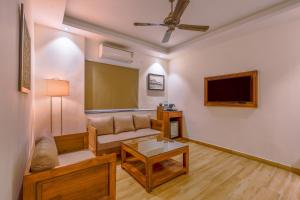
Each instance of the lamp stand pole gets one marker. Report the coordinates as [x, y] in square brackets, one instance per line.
[51, 115]
[57, 88]
[61, 115]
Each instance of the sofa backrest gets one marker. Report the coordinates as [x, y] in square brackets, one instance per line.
[104, 125]
[142, 121]
[123, 124]
[114, 125]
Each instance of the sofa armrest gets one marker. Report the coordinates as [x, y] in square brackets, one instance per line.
[157, 125]
[71, 143]
[90, 179]
[92, 132]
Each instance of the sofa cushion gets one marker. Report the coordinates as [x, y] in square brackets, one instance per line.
[74, 157]
[104, 125]
[123, 124]
[148, 131]
[45, 155]
[102, 139]
[142, 121]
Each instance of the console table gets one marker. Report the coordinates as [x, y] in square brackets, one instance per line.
[167, 117]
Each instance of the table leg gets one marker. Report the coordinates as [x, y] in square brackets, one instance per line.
[123, 156]
[149, 169]
[186, 161]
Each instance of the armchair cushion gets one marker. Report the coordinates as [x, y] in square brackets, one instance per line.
[147, 132]
[142, 121]
[45, 155]
[123, 124]
[74, 157]
[104, 125]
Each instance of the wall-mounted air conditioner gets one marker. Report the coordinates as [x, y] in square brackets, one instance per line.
[107, 51]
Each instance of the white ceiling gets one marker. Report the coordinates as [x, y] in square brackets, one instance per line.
[119, 15]
[112, 20]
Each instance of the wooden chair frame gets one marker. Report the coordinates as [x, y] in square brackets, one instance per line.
[33, 182]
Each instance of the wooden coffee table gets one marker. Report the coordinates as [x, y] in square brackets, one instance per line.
[149, 160]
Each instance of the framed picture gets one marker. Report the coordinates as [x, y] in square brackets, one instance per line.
[24, 55]
[156, 82]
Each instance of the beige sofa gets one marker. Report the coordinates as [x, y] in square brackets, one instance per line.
[106, 133]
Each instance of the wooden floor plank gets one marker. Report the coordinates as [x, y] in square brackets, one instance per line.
[216, 175]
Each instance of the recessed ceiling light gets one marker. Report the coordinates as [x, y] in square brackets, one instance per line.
[66, 29]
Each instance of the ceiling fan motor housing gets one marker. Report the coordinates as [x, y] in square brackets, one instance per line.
[170, 21]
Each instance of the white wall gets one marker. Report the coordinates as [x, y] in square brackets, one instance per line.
[272, 130]
[146, 64]
[15, 107]
[59, 55]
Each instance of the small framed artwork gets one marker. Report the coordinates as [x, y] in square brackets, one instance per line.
[24, 55]
[156, 82]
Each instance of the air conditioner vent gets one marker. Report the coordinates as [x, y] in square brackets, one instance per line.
[112, 53]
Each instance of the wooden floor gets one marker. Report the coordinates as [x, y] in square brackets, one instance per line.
[217, 175]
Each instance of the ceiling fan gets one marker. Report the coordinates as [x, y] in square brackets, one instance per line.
[172, 21]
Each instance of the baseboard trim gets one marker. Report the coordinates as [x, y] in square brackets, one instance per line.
[251, 157]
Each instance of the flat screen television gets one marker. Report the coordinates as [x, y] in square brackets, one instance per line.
[232, 90]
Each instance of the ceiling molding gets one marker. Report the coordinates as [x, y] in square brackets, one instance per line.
[256, 17]
[117, 36]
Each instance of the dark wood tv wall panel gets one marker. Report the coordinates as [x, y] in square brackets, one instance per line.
[237, 90]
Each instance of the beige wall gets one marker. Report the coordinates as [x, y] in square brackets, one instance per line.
[15, 108]
[59, 55]
[272, 130]
[146, 64]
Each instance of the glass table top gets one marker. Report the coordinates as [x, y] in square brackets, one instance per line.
[152, 146]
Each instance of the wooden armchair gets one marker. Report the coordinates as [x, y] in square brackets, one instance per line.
[91, 179]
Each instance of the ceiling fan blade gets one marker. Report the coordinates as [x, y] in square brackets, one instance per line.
[147, 24]
[179, 9]
[193, 27]
[167, 36]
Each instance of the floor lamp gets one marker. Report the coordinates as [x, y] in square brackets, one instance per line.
[57, 88]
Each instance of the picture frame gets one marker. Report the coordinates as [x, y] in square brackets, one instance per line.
[156, 82]
[24, 55]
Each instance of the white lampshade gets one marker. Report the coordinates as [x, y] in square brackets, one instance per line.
[57, 88]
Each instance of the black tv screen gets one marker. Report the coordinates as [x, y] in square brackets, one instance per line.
[239, 89]
[230, 90]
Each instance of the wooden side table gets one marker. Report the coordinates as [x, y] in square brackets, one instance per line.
[167, 117]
